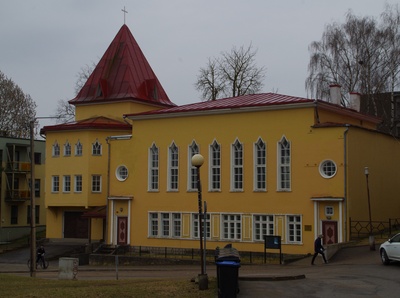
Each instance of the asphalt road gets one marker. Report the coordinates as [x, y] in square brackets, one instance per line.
[352, 272]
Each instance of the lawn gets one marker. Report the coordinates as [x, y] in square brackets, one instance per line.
[15, 286]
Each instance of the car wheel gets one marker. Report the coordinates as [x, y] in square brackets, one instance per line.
[384, 257]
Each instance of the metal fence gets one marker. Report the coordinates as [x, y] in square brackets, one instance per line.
[384, 229]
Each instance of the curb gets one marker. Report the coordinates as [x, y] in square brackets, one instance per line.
[272, 278]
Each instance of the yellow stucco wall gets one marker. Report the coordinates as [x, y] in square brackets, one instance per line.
[309, 148]
[380, 156]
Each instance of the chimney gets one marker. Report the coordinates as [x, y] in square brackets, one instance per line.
[336, 96]
[355, 99]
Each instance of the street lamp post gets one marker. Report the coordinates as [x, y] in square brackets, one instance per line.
[197, 161]
[33, 211]
[371, 236]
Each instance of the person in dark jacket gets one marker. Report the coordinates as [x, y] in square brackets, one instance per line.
[318, 249]
[40, 254]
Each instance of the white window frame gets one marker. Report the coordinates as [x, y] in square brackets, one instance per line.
[96, 183]
[196, 227]
[192, 170]
[97, 148]
[78, 148]
[231, 227]
[153, 224]
[153, 175]
[165, 221]
[263, 225]
[215, 167]
[66, 183]
[237, 166]
[260, 165]
[284, 165]
[55, 183]
[176, 225]
[67, 149]
[294, 229]
[173, 167]
[56, 149]
[78, 184]
[325, 168]
[121, 173]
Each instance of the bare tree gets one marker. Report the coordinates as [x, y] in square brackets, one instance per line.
[65, 112]
[233, 74]
[17, 109]
[360, 55]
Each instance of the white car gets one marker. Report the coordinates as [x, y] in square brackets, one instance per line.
[390, 250]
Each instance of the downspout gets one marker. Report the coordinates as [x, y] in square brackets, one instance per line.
[108, 189]
[345, 182]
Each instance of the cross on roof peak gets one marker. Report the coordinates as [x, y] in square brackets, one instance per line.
[125, 12]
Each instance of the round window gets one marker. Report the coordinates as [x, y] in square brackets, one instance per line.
[122, 173]
[327, 169]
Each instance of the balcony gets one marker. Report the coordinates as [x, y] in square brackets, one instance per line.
[22, 167]
[17, 195]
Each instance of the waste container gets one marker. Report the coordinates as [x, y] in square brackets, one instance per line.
[227, 261]
[227, 276]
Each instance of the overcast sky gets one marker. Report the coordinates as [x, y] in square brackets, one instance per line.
[44, 43]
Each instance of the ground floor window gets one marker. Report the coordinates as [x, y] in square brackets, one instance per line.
[294, 228]
[196, 227]
[165, 224]
[232, 226]
[263, 225]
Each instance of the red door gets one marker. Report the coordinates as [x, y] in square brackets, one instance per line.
[329, 229]
[122, 231]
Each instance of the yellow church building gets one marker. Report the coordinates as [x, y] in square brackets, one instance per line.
[273, 165]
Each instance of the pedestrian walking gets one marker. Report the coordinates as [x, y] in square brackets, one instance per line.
[319, 249]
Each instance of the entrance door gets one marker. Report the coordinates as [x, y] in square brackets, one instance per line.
[75, 226]
[329, 229]
[122, 231]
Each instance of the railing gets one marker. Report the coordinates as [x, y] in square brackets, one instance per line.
[17, 195]
[362, 228]
[186, 254]
[18, 166]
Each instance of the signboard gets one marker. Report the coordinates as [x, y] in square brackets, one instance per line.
[272, 242]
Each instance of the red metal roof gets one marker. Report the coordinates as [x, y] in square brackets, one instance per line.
[250, 100]
[123, 73]
[91, 123]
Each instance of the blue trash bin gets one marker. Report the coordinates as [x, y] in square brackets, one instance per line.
[227, 278]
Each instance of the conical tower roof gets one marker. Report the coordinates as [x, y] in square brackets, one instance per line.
[123, 73]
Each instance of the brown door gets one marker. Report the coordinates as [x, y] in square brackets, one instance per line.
[329, 229]
[122, 230]
[75, 226]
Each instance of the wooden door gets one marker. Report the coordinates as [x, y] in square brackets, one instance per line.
[329, 230]
[122, 231]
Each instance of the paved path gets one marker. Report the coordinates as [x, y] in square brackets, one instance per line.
[352, 272]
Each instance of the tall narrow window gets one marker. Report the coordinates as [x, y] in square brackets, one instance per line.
[67, 149]
[153, 168]
[294, 228]
[237, 167]
[67, 183]
[55, 183]
[78, 183]
[96, 148]
[173, 167]
[165, 224]
[78, 148]
[193, 149]
[176, 224]
[260, 163]
[215, 166]
[284, 183]
[56, 149]
[96, 183]
[153, 224]
[14, 215]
